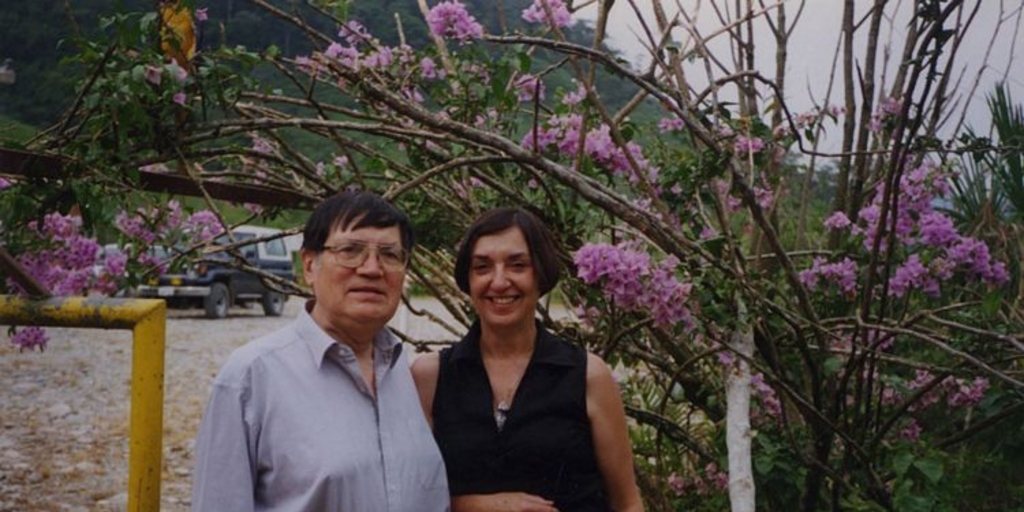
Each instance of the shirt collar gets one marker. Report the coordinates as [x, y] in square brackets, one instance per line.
[319, 343]
[546, 350]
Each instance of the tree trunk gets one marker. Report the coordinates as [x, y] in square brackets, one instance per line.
[737, 436]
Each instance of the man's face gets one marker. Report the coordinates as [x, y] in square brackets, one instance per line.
[368, 294]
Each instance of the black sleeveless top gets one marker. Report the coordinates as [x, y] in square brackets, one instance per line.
[545, 447]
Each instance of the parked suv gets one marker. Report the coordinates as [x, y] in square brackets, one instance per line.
[215, 288]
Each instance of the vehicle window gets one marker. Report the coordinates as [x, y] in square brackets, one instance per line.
[224, 240]
[159, 252]
[276, 248]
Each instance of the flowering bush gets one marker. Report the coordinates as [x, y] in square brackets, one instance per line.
[933, 249]
[630, 281]
[66, 262]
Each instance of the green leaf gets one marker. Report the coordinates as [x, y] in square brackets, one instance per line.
[833, 365]
[628, 131]
[138, 73]
[901, 463]
[931, 468]
[911, 503]
[990, 306]
[809, 134]
[106, 22]
[148, 20]
[525, 61]
[764, 464]
[715, 246]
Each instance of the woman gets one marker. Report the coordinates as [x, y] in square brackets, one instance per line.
[525, 421]
[323, 415]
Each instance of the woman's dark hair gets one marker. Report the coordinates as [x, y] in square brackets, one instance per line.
[538, 239]
[353, 209]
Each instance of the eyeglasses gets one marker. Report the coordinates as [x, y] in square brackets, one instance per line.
[353, 254]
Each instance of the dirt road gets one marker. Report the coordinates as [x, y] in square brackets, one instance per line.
[64, 412]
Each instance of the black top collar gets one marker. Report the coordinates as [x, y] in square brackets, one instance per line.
[548, 348]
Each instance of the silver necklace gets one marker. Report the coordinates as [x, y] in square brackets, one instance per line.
[505, 405]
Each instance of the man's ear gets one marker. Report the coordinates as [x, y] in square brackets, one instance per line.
[310, 264]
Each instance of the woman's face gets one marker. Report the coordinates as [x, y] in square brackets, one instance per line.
[502, 280]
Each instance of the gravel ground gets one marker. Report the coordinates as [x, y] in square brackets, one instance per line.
[64, 412]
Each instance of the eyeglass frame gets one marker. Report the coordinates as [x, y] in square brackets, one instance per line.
[333, 250]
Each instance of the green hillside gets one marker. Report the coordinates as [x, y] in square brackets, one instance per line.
[39, 35]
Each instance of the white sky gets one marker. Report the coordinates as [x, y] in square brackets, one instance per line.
[816, 35]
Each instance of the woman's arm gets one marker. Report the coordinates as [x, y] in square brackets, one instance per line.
[424, 373]
[611, 439]
[502, 502]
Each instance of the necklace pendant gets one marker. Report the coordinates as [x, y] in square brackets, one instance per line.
[501, 414]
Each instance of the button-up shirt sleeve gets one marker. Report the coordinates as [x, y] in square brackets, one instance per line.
[224, 472]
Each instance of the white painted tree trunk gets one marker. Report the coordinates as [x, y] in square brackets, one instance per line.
[738, 435]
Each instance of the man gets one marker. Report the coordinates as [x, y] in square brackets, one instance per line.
[322, 415]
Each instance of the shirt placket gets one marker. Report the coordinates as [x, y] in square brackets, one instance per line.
[385, 436]
[348, 362]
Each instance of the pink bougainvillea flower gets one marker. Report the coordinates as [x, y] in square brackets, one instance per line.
[937, 252]
[381, 58]
[30, 338]
[628, 279]
[529, 87]
[354, 33]
[262, 145]
[670, 124]
[837, 220]
[575, 97]
[429, 69]
[333, 50]
[154, 74]
[747, 145]
[549, 12]
[179, 73]
[203, 225]
[911, 432]
[451, 20]
[967, 394]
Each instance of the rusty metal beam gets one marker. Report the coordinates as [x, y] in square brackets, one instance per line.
[38, 165]
[15, 271]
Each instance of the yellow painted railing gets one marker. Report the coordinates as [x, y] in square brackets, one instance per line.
[147, 318]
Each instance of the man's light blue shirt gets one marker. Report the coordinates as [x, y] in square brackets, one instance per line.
[291, 426]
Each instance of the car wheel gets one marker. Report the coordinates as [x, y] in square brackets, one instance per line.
[216, 303]
[273, 303]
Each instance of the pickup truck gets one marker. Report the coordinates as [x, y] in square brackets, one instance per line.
[216, 288]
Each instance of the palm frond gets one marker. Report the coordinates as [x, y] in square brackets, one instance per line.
[1007, 164]
[974, 200]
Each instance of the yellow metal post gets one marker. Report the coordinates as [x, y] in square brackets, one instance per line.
[147, 318]
[145, 453]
